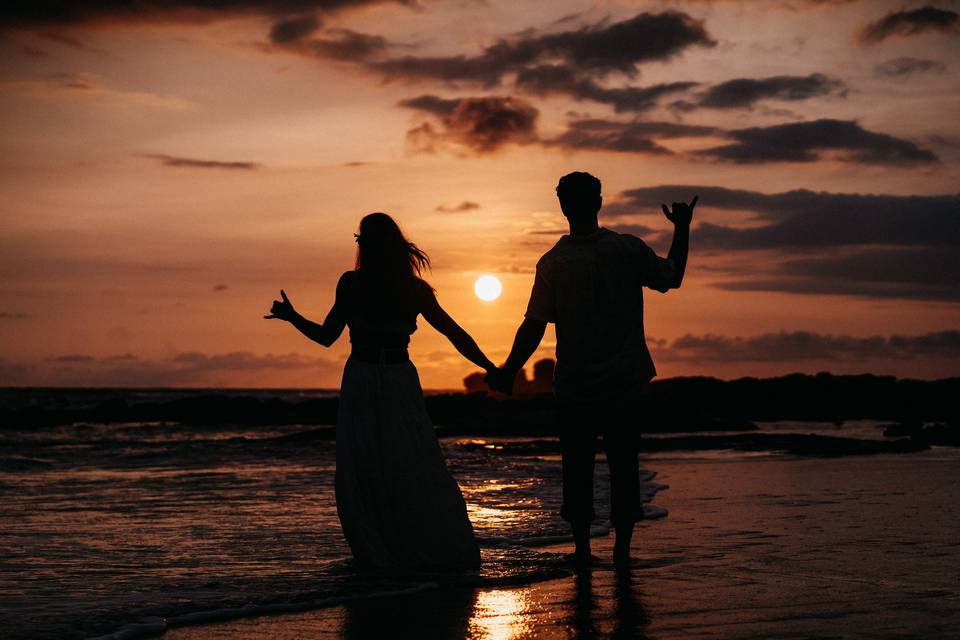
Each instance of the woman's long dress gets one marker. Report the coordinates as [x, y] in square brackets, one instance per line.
[398, 505]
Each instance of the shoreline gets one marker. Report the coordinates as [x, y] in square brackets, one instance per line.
[721, 405]
[732, 561]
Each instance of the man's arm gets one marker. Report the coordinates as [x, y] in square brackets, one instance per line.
[680, 216]
[525, 343]
[679, 249]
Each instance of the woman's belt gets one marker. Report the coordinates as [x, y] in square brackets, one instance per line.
[380, 355]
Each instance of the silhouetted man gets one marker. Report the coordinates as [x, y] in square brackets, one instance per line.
[590, 285]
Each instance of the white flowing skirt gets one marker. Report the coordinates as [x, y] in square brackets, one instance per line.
[398, 505]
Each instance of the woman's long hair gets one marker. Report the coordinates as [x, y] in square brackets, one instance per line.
[384, 253]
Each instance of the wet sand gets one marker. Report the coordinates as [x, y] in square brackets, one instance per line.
[762, 546]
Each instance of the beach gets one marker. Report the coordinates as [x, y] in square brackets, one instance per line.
[138, 529]
[754, 547]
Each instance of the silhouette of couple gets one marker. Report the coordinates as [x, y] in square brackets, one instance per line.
[398, 505]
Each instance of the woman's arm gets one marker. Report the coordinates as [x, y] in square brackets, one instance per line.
[326, 333]
[442, 322]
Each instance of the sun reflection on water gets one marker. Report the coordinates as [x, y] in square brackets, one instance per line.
[510, 513]
[500, 615]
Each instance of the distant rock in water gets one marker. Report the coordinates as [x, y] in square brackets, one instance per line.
[925, 410]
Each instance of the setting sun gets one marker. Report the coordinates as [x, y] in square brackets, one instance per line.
[487, 288]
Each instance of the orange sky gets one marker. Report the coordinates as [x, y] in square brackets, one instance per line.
[165, 172]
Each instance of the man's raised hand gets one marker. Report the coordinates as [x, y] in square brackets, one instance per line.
[682, 212]
[281, 309]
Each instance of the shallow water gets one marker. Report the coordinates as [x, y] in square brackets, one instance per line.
[755, 547]
[103, 525]
[106, 524]
[774, 547]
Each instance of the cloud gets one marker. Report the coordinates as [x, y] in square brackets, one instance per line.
[878, 246]
[920, 210]
[484, 124]
[73, 86]
[630, 98]
[466, 205]
[627, 137]
[14, 373]
[181, 370]
[293, 21]
[339, 44]
[905, 66]
[638, 230]
[828, 227]
[798, 346]
[622, 45]
[919, 273]
[486, 72]
[71, 13]
[809, 219]
[745, 92]
[434, 105]
[194, 163]
[36, 52]
[68, 40]
[481, 124]
[843, 140]
[908, 23]
[72, 357]
[293, 29]
[793, 5]
[596, 49]
[896, 274]
[550, 79]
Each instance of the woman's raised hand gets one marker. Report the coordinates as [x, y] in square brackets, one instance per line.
[282, 309]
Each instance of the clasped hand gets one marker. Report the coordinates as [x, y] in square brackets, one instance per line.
[282, 309]
[500, 380]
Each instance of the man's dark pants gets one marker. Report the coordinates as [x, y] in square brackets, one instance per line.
[580, 423]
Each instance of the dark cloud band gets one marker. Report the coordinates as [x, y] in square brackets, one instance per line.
[908, 23]
[875, 246]
[482, 124]
[625, 137]
[745, 92]
[800, 346]
[593, 49]
[65, 13]
[904, 67]
[194, 163]
[810, 141]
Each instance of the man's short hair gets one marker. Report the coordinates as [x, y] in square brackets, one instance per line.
[579, 193]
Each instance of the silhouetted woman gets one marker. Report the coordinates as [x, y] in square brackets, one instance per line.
[398, 505]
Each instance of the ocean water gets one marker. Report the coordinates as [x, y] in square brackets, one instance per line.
[104, 525]
[756, 546]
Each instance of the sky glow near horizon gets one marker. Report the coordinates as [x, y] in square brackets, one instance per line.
[166, 172]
